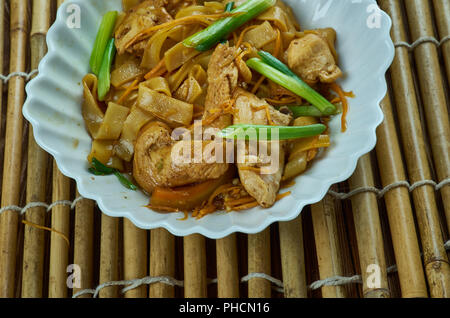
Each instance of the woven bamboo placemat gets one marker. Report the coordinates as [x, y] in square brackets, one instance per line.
[382, 233]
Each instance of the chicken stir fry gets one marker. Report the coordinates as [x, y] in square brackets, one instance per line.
[209, 106]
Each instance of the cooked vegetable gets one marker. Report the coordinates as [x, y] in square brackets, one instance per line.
[188, 197]
[101, 41]
[280, 74]
[99, 169]
[104, 76]
[173, 111]
[144, 104]
[229, 6]
[111, 126]
[207, 38]
[264, 132]
[92, 114]
[311, 111]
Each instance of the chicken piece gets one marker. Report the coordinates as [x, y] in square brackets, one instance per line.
[311, 58]
[223, 77]
[262, 186]
[141, 17]
[153, 163]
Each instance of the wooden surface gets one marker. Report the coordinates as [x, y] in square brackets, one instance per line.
[353, 241]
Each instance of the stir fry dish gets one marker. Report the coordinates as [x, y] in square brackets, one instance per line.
[210, 106]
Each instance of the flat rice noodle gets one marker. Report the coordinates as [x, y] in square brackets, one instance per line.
[124, 58]
[137, 119]
[126, 73]
[291, 21]
[173, 111]
[112, 122]
[92, 114]
[261, 35]
[179, 76]
[206, 8]
[278, 17]
[189, 91]
[154, 49]
[102, 150]
[158, 84]
[199, 73]
[179, 55]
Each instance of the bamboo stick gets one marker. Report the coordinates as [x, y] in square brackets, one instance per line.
[293, 259]
[368, 233]
[13, 147]
[259, 262]
[326, 238]
[195, 280]
[399, 210]
[227, 267]
[442, 13]
[33, 251]
[162, 262]
[135, 257]
[109, 255]
[437, 267]
[433, 95]
[59, 249]
[2, 56]
[83, 250]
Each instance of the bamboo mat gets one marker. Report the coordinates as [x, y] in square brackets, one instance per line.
[382, 233]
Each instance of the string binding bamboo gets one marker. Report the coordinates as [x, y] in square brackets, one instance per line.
[49, 207]
[278, 284]
[26, 76]
[338, 195]
[421, 40]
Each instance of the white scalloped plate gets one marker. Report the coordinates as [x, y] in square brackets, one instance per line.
[53, 107]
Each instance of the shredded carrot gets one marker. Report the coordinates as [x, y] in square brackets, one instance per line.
[245, 52]
[161, 208]
[283, 195]
[278, 44]
[283, 101]
[128, 91]
[245, 206]
[258, 84]
[158, 70]
[335, 100]
[200, 18]
[40, 227]
[244, 200]
[254, 169]
[342, 96]
[241, 36]
[185, 217]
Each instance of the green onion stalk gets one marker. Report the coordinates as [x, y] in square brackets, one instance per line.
[99, 169]
[264, 132]
[104, 75]
[311, 111]
[216, 32]
[104, 34]
[283, 76]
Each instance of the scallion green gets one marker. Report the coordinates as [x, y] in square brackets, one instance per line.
[99, 169]
[104, 76]
[264, 132]
[311, 111]
[103, 36]
[207, 38]
[294, 84]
